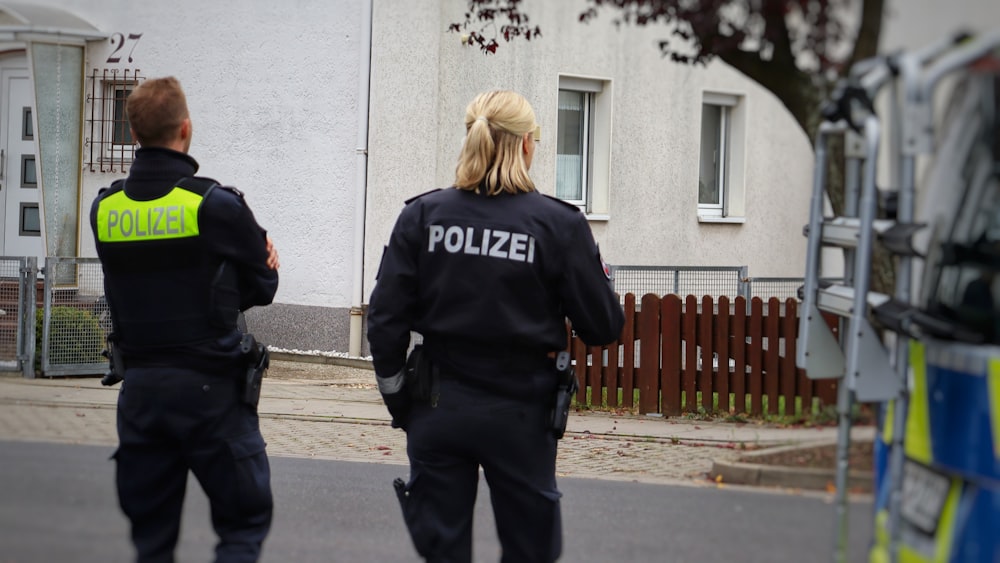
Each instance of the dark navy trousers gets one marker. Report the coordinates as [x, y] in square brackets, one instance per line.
[510, 440]
[171, 421]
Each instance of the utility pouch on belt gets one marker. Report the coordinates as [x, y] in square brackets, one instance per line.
[116, 365]
[258, 359]
[421, 376]
[568, 387]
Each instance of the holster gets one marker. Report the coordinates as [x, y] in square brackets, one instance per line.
[420, 532]
[422, 377]
[116, 364]
[565, 390]
[258, 359]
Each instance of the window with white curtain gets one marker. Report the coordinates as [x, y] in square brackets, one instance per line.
[712, 168]
[572, 146]
[583, 144]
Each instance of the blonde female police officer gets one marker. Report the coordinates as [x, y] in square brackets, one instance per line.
[182, 256]
[487, 272]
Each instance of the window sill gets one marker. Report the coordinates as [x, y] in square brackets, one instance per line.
[597, 216]
[725, 220]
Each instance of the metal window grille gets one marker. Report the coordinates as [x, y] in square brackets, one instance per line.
[109, 142]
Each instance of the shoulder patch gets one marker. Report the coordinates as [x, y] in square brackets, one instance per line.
[604, 265]
[416, 197]
[562, 201]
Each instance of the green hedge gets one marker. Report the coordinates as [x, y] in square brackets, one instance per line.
[75, 337]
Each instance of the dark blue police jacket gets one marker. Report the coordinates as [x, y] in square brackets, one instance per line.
[174, 299]
[489, 282]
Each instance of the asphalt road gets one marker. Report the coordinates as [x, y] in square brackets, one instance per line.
[57, 503]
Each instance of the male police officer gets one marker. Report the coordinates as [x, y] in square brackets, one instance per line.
[182, 257]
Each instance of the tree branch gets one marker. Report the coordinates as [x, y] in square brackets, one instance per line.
[793, 87]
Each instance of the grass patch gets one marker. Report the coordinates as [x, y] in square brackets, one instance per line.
[787, 413]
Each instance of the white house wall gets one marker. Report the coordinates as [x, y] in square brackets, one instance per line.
[423, 78]
[272, 88]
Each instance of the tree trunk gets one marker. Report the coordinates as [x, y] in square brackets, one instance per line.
[803, 95]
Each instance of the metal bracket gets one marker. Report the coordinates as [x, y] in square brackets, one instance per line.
[823, 359]
[918, 128]
[876, 381]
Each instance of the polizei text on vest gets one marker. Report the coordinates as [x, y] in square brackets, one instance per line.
[495, 243]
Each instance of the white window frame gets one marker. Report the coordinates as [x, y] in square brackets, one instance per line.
[729, 166]
[596, 161]
[584, 170]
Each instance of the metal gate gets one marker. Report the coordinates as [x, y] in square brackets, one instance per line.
[18, 299]
[75, 317]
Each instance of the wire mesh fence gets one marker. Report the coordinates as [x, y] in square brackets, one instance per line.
[74, 317]
[72, 324]
[680, 280]
[715, 281]
[782, 288]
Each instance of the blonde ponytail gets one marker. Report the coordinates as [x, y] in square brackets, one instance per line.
[491, 155]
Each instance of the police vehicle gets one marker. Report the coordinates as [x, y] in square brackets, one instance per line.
[928, 353]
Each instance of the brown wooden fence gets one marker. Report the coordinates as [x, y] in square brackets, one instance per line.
[685, 356]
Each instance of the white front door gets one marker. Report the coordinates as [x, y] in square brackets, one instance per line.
[20, 211]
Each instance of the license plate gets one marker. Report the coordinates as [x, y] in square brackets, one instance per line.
[924, 495]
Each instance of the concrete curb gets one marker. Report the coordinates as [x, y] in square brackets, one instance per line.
[744, 471]
[324, 360]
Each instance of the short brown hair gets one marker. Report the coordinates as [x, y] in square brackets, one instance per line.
[155, 109]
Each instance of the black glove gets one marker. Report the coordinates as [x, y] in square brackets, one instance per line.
[399, 407]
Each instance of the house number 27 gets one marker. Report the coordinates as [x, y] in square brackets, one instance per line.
[120, 39]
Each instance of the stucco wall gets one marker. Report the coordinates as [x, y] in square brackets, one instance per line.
[272, 91]
[655, 135]
[272, 88]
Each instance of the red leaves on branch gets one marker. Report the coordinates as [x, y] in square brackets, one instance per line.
[703, 29]
[486, 14]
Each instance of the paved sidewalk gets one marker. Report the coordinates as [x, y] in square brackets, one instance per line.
[331, 411]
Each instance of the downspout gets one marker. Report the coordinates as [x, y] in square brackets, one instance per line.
[361, 187]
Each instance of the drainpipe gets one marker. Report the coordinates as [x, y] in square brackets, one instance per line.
[361, 187]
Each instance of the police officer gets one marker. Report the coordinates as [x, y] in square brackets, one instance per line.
[182, 257]
[487, 271]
